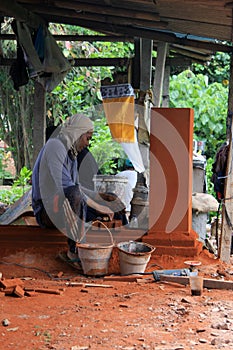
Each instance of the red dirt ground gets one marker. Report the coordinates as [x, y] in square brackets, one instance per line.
[143, 314]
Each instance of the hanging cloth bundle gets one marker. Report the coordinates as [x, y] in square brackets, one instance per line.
[43, 57]
[118, 101]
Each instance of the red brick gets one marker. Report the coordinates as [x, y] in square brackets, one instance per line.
[19, 292]
[30, 294]
[8, 283]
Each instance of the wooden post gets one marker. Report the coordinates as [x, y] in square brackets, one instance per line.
[166, 80]
[227, 213]
[159, 72]
[146, 63]
[145, 52]
[230, 103]
[227, 209]
[135, 79]
[39, 122]
[145, 84]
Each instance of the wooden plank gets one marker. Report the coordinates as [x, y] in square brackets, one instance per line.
[123, 278]
[207, 282]
[44, 290]
[174, 279]
[88, 285]
[215, 284]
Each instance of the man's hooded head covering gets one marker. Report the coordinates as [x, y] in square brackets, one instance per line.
[73, 128]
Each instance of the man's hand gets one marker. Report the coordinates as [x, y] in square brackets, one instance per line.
[112, 201]
[105, 210]
[109, 197]
[106, 203]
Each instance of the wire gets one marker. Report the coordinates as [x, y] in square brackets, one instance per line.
[37, 269]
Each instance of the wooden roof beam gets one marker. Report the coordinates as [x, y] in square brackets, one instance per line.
[64, 13]
[13, 9]
[107, 62]
[192, 49]
[107, 10]
[109, 20]
[89, 38]
[83, 62]
[193, 55]
[153, 35]
[198, 44]
[207, 46]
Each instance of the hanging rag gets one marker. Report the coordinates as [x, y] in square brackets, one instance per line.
[43, 57]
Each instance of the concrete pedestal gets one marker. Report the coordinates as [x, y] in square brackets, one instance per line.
[170, 209]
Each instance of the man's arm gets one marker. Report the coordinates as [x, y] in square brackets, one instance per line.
[105, 200]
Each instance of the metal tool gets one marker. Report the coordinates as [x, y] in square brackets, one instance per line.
[177, 272]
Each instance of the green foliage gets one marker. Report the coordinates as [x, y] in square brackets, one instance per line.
[217, 69]
[81, 88]
[19, 187]
[10, 196]
[210, 185]
[15, 107]
[104, 149]
[209, 102]
[74, 95]
[23, 178]
[4, 174]
[16, 118]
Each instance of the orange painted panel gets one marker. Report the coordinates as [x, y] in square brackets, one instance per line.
[171, 152]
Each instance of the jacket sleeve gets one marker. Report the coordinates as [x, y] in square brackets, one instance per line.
[62, 169]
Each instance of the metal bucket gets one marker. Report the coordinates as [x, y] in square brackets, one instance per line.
[134, 256]
[110, 183]
[95, 258]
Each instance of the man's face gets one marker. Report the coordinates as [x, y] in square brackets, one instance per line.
[83, 141]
